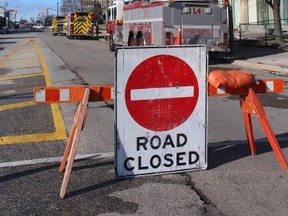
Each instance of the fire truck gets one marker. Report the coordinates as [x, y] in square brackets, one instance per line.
[80, 25]
[162, 22]
[58, 25]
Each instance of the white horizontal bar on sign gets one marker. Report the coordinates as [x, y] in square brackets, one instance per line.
[162, 93]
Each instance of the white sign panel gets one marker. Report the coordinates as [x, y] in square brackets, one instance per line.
[161, 110]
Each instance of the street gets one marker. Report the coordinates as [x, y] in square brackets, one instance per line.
[33, 139]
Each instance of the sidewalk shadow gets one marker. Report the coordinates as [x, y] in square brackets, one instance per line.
[243, 51]
[226, 152]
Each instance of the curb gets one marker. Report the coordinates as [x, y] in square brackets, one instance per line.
[261, 66]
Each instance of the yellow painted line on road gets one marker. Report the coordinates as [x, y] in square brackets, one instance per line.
[16, 105]
[8, 64]
[59, 134]
[43, 65]
[21, 76]
[26, 54]
[41, 137]
[58, 120]
[15, 51]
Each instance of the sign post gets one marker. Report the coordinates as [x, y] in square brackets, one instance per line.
[161, 110]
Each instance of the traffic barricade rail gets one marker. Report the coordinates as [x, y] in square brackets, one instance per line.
[73, 94]
[250, 105]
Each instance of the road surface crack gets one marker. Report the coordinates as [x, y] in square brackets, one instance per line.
[209, 209]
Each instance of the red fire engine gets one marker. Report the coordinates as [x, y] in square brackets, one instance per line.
[160, 22]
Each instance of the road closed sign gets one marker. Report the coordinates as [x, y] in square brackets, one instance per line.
[160, 110]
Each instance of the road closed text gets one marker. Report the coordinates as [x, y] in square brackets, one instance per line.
[174, 157]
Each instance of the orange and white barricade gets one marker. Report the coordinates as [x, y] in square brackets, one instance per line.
[73, 94]
[247, 87]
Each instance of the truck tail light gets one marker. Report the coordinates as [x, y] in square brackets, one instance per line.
[120, 22]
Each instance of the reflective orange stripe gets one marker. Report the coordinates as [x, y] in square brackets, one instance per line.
[72, 94]
[262, 87]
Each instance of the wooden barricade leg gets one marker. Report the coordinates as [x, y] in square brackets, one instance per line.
[70, 139]
[247, 110]
[73, 94]
[83, 107]
[249, 132]
[252, 105]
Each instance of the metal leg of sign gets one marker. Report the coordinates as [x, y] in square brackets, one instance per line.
[250, 104]
[71, 147]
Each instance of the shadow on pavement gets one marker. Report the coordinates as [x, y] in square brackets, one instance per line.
[244, 51]
[10, 42]
[28, 172]
[223, 154]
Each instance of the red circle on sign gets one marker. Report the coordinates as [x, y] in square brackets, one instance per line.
[161, 92]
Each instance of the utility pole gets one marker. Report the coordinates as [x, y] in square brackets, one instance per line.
[57, 8]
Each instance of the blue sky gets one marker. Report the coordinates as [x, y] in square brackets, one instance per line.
[30, 8]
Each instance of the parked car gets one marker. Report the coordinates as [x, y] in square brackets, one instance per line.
[41, 27]
[4, 30]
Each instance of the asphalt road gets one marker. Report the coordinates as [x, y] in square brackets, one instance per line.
[235, 182]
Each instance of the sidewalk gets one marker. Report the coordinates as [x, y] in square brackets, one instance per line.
[263, 58]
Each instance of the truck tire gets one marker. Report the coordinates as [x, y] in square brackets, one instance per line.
[111, 43]
[140, 41]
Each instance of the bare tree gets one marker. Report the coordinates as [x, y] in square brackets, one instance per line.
[275, 5]
[77, 5]
[68, 6]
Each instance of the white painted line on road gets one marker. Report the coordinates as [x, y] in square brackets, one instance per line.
[54, 159]
[224, 144]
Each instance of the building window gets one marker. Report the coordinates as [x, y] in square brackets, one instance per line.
[262, 11]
